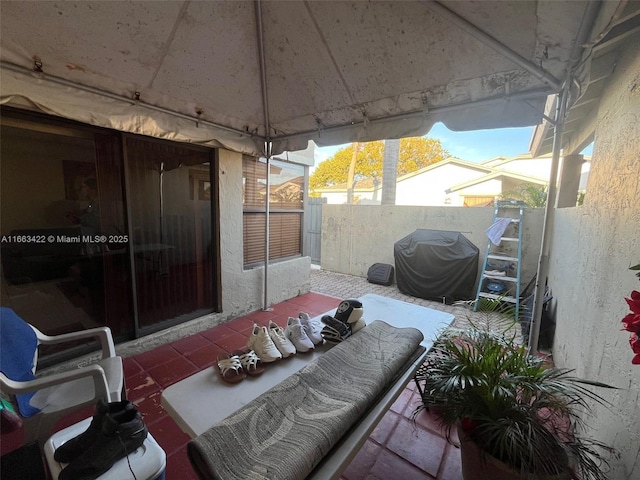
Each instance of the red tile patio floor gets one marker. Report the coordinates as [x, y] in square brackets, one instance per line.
[399, 447]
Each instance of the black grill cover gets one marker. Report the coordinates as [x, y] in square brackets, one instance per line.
[436, 265]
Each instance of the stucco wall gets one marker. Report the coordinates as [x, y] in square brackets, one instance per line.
[242, 290]
[355, 237]
[592, 248]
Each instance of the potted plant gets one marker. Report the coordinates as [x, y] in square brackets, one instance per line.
[515, 418]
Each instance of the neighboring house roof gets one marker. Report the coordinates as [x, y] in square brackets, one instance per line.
[448, 161]
[368, 184]
[500, 161]
[493, 169]
[497, 175]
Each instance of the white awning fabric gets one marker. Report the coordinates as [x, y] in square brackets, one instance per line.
[240, 74]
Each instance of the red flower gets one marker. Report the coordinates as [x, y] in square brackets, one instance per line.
[632, 322]
[636, 359]
[634, 341]
[634, 302]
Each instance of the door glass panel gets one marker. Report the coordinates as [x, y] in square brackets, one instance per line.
[61, 192]
[169, 190]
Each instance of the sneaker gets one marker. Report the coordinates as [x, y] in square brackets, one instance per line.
[312, 329]
[359, 325]
[280, 340]
[117, 438]
[296, 333]
[261, 343]
[349, 311]
[76, 446]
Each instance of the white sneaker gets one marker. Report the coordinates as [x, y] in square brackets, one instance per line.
[296, 333]
[280, 340]
[261, 343]
[312, 329]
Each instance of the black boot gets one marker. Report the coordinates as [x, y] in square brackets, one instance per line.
[117, 438]
[77, 445]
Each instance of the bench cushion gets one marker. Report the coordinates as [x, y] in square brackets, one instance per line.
[285, 432]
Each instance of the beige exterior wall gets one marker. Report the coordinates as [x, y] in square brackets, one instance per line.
[429, 187]
[355, 237]
[592, 248]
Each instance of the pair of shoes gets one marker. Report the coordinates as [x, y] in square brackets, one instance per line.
[280, 340]
[262, 343]
[334, 330]
[349, 311]
[250, 362]
[230, 368]
[297, 335]
[346, 321]
[312, 328]
[115, 431]
[235, 367]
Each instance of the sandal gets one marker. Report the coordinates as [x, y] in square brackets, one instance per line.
[230, 369]
[250, 362]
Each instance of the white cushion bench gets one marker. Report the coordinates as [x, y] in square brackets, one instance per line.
[312, 423]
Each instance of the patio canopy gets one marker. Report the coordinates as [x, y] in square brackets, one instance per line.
[248, 74]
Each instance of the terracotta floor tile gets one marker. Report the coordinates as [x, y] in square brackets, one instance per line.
[260, 317]
[190, 344]
[323, 305]
[237, 341]
[306, 299]
[168, 435]
[11, 441]
[130, 366]
[363, 462]
[282, 312]
[389, 466]
[206, 356]
[141, 385]
[156, 357]
[179, 467]
[385, 428]
[401, 402]
[218, 333]
[171, 372]
[430, 421]
[151, 408]
[240, 324]
[451, 468]
[421, 447]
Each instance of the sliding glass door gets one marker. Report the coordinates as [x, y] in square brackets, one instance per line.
[170, 198]
[101, 228]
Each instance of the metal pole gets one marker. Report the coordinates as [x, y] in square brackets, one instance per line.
[267, 144]
[543, 263]
[265, 302]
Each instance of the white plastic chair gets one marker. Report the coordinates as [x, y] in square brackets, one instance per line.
[62, 393]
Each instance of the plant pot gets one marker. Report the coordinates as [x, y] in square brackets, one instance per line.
[478, 465]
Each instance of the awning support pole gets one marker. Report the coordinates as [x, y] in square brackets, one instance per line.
[543, 263]
[267, 146]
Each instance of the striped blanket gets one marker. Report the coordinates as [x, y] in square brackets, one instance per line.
[284, 433]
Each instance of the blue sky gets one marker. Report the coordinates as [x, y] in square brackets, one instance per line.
[474, 146]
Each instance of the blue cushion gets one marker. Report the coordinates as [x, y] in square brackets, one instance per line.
[18, 344]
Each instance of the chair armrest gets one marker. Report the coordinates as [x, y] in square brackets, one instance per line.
[103, 333]
[95, 371]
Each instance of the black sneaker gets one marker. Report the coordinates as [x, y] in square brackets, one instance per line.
[117, 439]
[75, 447]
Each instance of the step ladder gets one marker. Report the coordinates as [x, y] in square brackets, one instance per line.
[502, 268]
